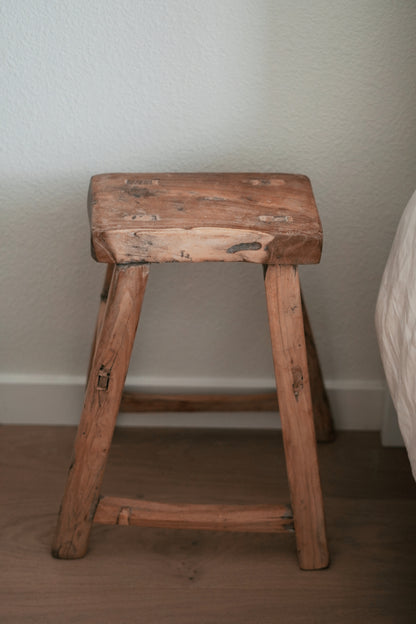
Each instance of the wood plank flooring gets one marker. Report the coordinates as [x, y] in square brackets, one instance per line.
[134, 575]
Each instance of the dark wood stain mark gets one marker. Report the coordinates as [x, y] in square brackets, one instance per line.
[244, 247]
[297, 379]
[103, 378]
[140, 192]
[289, 527]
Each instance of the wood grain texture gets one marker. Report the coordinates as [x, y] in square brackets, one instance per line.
[102, 402]
[197, 217]
[292, 381]
[239, 518]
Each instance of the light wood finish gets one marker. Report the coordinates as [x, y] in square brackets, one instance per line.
[292, 381]
[240, 518]
[102, 401]
[197, 217]
[161, 576]
[133, 401]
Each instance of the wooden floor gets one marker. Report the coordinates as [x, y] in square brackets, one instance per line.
[159, 576]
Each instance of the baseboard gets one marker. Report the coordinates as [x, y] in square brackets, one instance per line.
[57, 400]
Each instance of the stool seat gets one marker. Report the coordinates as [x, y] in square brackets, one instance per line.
[197, 217]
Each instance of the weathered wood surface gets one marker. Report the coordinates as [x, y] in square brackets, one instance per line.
[102, 402]
[240, 518]
[151, 402]
[292, 380]
[264, 218]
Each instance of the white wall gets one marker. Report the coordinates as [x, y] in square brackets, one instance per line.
[326, 88]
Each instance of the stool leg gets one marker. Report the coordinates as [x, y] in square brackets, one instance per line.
[102, 400]
[292, 381]
[324, 426]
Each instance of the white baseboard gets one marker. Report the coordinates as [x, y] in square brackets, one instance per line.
[57, 400]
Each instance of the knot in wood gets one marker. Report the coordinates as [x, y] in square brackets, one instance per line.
[297, 381]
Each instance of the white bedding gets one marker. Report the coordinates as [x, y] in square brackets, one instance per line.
[396, 326]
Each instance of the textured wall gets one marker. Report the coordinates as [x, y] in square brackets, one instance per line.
[323, 88]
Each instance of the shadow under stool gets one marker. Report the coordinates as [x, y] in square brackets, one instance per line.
[140, 219]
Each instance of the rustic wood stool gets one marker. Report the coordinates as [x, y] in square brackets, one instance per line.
[138, 219]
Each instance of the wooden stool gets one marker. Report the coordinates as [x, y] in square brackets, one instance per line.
[138, 219]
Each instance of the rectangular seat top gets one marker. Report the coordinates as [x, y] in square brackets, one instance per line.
[266, 218]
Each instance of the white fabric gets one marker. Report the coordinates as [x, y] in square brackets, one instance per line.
[396, 326]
